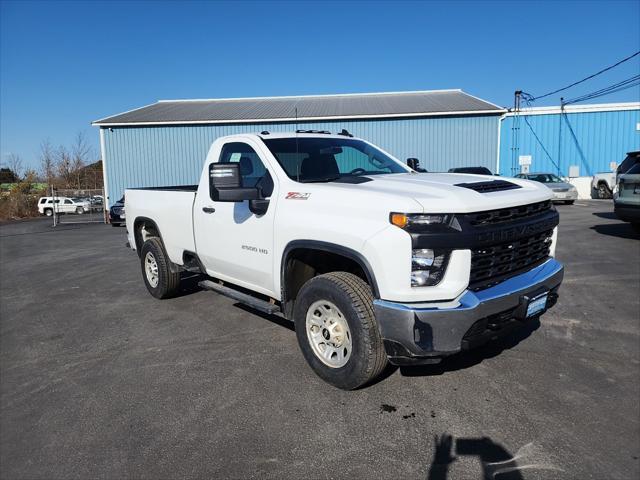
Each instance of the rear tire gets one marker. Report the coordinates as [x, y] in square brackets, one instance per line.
[156, 272]
[79, 210]
[343, 303]
[48, 212]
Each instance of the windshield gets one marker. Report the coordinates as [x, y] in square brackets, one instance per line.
[545, 178]
[327, 159]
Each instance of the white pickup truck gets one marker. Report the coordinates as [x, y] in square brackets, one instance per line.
[373, 261]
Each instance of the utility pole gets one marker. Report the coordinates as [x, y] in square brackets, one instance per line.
[515, 132]
[560, 119]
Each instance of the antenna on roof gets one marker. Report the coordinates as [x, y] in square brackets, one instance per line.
[297, 157]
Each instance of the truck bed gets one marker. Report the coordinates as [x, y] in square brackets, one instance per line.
[170, 188]
[171, 209]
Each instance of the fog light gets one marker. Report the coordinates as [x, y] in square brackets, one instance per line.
[422, 258]
[427, 266]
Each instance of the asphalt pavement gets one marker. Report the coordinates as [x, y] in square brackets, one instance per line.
[100, 380]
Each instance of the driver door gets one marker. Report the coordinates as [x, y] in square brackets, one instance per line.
[233, 243]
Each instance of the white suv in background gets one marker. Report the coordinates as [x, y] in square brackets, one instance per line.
[46, 205]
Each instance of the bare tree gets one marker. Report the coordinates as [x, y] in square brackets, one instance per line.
[63, 165]
[14, 162]
[47, 161]
[80, 155]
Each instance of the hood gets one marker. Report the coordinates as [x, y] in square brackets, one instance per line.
[442, 193]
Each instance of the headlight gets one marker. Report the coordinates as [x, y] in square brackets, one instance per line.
[427, 266]
[424, 221]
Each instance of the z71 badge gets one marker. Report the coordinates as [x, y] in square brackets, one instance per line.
[297, 196]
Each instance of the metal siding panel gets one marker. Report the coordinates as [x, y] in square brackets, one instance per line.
[601, 137]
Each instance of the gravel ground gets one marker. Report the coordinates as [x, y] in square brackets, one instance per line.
[100, 380]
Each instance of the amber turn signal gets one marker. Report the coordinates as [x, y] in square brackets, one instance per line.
[399, 219]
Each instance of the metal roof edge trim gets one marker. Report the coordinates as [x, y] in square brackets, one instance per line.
[593, 107]
[502, 111]
[323, 95]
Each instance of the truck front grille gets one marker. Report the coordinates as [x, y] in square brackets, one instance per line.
[494, 263]
[491, 217]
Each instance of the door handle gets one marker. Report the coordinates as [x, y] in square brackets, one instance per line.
[208, 209]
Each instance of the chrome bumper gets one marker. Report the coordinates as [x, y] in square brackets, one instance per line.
[415, 332]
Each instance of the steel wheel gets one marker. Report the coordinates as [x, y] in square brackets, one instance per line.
[151, 269]
[328, 333]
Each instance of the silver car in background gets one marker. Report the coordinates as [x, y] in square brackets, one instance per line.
[562, 191]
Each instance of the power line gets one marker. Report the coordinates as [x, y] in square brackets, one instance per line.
[532, 98]
[544, 149]
[616, 87]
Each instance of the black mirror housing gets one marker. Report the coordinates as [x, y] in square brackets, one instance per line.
[414, 164]
[225, 184]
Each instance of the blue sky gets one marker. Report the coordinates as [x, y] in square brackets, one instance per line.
[64, 64]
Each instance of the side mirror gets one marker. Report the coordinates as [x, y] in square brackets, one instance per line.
[414, 164]
[225, 184]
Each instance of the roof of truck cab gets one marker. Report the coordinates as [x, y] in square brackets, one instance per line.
[305, 108]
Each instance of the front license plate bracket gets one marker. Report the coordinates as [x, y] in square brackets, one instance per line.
[532, 304]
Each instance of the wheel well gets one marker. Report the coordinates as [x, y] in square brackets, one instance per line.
[144, 229]
[603, 182]
[302, 264]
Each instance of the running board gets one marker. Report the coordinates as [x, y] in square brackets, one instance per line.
[243, 298]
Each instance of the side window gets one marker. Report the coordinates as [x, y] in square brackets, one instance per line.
[252, 170]
[68, 202]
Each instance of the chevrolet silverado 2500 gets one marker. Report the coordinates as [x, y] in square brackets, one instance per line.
[372, 261]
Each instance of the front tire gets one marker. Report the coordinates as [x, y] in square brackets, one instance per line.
[337, 330]
[603, 191]
[158, 277]
[79, 210]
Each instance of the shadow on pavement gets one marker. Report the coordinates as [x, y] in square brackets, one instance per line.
[620, 230]
[496, 461]
[470, 358]
[609, 215]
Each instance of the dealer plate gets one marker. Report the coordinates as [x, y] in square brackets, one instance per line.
[537, 305]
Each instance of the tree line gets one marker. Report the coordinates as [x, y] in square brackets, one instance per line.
[74, 166]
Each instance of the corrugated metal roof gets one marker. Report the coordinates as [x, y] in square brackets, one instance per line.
[320, 107]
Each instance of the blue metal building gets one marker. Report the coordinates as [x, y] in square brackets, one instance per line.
[587, 136]
[165, 143]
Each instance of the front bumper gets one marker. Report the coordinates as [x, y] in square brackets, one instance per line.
[419, 333]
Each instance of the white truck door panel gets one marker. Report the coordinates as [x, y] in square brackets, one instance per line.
[233, 243]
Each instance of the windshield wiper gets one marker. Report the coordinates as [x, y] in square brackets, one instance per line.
[321, 180]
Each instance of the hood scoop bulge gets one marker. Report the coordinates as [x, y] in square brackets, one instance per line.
[490, 186]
